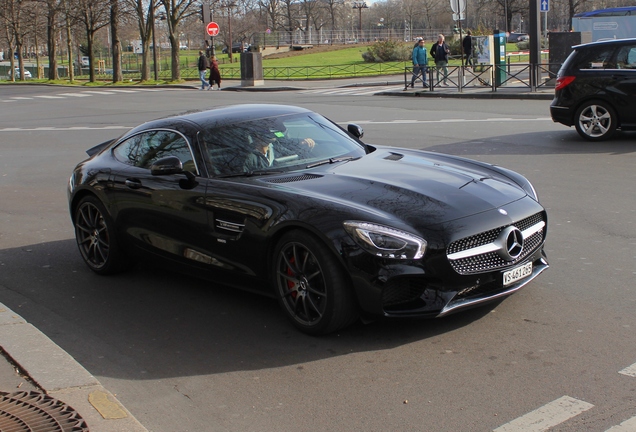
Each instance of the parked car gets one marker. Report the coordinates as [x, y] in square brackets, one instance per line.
[518, 37]
[27, 74]
[237, 48]
[85, 61]
[596, 89]
[281, 200]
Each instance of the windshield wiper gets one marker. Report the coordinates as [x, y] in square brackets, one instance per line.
[332, 160]
[250, 173]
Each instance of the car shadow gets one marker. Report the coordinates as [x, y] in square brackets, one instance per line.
[150, 323]
[566, 141]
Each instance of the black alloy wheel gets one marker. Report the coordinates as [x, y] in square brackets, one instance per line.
[313, 289]
[95, 236]
[596, 121]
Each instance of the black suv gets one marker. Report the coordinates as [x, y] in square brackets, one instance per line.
[596, 89]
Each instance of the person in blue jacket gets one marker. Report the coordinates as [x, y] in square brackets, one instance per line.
[420, 60]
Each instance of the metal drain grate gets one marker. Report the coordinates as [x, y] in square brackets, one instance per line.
[36, 412]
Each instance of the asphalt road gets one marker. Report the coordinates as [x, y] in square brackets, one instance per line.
[188, 355]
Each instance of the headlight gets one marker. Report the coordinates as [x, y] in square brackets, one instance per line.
[384, 241]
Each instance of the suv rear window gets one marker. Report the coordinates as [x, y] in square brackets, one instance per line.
[599, 57]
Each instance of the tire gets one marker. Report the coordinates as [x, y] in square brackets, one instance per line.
[96, 239]
[596, 121]
[311, 286]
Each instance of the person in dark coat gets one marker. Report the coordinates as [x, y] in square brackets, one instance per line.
[467, 44]
[203, 66]
[215, 74]
[440, 52]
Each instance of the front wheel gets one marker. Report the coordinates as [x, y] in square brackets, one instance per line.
[95, 236]
[311, 285]
[596, 121]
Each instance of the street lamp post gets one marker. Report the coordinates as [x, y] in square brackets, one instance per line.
[360, 5]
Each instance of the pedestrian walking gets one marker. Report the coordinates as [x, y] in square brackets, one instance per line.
[440, 52]
[467, 44]
[203, 66]
[420, 60]
[215, 74]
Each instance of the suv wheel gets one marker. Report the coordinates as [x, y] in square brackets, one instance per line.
[596, 121]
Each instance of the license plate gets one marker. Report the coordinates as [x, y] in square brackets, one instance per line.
[517, 273]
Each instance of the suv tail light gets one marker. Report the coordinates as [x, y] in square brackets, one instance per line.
[563, 82]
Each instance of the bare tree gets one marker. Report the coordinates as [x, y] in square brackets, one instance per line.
[176, 10]
[116, 43]
[94, 16]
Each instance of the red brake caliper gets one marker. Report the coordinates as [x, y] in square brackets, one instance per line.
[291, 285]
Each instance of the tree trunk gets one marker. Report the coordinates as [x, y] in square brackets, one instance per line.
[116, 43]
[174, 55]
[51, 45]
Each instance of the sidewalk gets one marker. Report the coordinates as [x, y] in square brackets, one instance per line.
[34, 363]
[517, 91]
[40, 370]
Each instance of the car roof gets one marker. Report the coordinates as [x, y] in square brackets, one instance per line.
[606, 42]
[225, 115]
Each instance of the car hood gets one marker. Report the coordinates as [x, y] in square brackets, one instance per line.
[412, 185]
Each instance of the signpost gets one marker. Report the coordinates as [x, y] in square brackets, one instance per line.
[545, 8]
[212, 29]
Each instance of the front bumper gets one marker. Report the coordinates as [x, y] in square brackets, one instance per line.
[442, 283]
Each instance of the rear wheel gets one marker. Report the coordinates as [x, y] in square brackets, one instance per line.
[596, 121]
[311, 285]
[95, 236]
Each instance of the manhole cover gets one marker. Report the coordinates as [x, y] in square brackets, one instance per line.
[32, 411]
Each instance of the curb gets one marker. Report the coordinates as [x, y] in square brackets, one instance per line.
[58, 374]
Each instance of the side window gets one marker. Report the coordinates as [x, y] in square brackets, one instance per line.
[626, 58]
[598, 58]
[128, 151]
[144, 149]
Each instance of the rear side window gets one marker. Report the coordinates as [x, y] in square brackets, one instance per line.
[599, 57]
[144, 149]
[626, 57]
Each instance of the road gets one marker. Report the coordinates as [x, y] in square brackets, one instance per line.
[188, 355]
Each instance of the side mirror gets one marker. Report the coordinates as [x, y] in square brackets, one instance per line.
[166, 166]
[355, 130]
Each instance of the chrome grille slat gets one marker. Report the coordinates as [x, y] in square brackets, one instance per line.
[491, 260]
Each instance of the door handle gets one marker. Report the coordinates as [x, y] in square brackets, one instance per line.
[133, 183]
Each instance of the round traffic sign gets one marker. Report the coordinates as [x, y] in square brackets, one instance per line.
[212, 28]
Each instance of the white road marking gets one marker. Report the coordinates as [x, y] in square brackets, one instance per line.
[21, 98]
[61, 129]
[99, 92]
[75, 94]
[627, 426]
[629, 371]
[547, 416]
[49, 97]
[488, 120]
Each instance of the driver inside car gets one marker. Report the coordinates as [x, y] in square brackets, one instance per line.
[271, 146]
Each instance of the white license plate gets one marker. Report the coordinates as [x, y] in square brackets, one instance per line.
[517, 273]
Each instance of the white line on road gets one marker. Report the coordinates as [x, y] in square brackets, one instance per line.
[488, 120]
[61, 129]
[627, 426]
[49, 97]
[74, 94]
[549, 415]
[629, 371]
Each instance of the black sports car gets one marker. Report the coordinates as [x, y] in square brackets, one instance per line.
[283, 201]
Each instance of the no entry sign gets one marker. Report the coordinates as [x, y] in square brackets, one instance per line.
[212, 28]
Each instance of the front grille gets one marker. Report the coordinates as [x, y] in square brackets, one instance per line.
[492, 260]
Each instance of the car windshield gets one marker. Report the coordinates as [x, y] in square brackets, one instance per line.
[275, 144]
